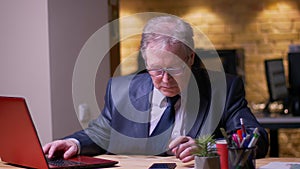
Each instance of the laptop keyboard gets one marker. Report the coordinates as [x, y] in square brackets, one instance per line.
[62, 162]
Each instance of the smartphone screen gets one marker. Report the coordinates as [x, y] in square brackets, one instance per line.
[163, 166]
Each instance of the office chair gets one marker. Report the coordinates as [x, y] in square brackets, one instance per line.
[276, 82]
[294, 82]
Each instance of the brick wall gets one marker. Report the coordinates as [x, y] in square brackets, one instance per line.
[263, 28]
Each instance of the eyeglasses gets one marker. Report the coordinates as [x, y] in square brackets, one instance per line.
[171, 71]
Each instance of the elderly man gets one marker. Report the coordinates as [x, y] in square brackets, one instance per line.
[162, 110]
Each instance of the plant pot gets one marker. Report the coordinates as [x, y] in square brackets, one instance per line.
[207, 162]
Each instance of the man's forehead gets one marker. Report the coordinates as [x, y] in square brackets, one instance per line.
[169, 60]
[164, 55]
[167, 50]
[165, 44]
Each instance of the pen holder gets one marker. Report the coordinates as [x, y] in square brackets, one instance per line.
[241, 158]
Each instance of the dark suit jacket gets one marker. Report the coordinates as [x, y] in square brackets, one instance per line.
[214, 100]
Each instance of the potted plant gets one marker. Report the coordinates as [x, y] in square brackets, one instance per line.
[206, 156]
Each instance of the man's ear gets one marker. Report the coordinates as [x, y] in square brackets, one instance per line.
[191, 59]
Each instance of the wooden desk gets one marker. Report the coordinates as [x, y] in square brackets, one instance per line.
[265, 161]
[143, 162]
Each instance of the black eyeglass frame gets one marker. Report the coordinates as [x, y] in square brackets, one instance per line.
[171, 71]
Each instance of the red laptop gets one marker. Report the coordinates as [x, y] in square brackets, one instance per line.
[20, 145]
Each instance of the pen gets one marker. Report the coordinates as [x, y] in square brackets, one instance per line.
[254, 138]
[244, 142]
[239, 132]
[236, 139]
[243, 128]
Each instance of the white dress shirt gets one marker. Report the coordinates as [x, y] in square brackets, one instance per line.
[159, 104]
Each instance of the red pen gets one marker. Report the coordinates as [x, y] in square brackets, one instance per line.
[239, 132]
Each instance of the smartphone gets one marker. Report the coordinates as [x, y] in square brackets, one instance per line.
[163, 166]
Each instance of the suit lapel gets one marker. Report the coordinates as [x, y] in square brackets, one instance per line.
[141, 90]
[197, 102]
[133, 99]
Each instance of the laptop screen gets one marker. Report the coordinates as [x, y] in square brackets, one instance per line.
[20, 145]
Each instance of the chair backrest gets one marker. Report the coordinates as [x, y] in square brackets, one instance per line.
[276, 79]
[294, 82]
[294, 75]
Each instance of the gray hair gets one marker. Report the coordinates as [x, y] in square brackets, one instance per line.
[167, 30]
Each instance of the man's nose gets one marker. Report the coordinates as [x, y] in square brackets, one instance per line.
[166, 76]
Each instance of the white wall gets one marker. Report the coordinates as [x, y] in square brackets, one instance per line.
[40, 41]
[71, 23]
[24, 58]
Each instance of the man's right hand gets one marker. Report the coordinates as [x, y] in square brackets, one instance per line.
[66, 148]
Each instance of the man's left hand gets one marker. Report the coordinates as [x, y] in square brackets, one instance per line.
[183, 148]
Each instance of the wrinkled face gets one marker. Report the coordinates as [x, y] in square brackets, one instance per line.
[169, 68]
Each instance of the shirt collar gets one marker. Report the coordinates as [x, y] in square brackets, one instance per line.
[158, 98]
